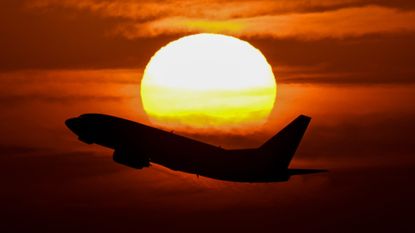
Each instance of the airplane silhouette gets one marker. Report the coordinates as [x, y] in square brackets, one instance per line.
[136, 145]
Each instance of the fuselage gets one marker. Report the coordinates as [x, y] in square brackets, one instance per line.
[137, 145]
[175, 151]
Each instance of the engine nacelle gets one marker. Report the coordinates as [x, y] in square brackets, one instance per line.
[85, 140]
[130, 158]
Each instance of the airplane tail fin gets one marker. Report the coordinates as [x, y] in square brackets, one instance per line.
[282, 146]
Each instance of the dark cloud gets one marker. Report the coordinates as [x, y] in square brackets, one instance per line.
[366, 60]
[401, 4]
[7, 150]
[13, 100]
[58, 39]
[383, 138]
[59, 77]
[368, 78]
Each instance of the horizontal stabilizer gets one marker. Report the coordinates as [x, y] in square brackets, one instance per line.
[292, 172]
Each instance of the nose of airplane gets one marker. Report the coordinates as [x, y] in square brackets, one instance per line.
[72, 124]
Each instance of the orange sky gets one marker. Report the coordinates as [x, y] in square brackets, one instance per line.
[342, 41]
[349, 64]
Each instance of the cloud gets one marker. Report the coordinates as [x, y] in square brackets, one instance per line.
[216, 9]
[383, 136]
[282, 19]
[296, 75]
[12, 150]
[342, 23]
[12, 100]
[83, 76]
[78, 35]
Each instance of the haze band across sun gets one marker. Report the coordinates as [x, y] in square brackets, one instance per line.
[208, 80]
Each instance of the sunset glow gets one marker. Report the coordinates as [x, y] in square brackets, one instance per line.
[208, 80]
[189, 130]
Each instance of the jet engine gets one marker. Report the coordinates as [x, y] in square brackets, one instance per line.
[130, 158]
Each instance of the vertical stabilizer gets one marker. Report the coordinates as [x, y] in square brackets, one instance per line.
[283, 145]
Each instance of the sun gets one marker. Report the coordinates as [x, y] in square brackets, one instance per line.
[208, 81]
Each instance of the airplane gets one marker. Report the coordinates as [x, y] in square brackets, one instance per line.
[136, 145]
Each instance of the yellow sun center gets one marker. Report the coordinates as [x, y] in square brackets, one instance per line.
[208, 81]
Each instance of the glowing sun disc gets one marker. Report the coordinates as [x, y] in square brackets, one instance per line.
[208, 80]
